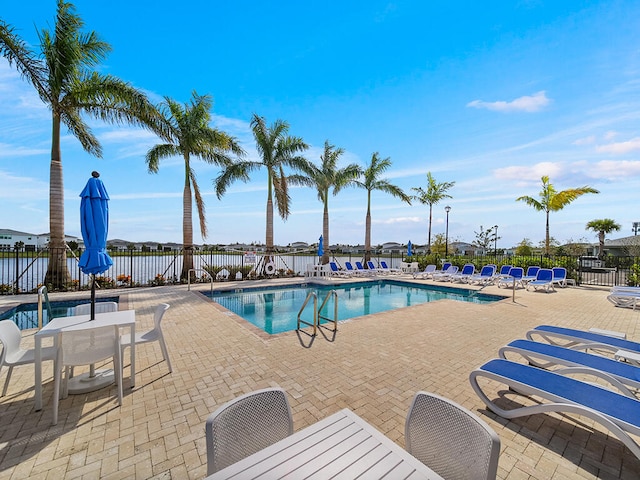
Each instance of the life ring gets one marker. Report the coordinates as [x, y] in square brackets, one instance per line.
[270, 268]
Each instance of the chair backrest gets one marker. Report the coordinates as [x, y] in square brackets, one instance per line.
[348, 265]
[370, 265]
[246, 425]
[452, 269]
[516, 272]
[545, 274]
[10, 337]
[505, 269]
[445, 266]
[383, 264]
[159, 313]
[468, 269]
[451, 440]
[359, 266]
[429, 268]
[87, 345]
[488, 271]
[559, 273]
[334, 267]
[532, 270]
[101, 307]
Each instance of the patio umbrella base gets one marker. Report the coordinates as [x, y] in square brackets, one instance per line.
[83, 383]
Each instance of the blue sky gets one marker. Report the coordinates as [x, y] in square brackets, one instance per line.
[491, 95]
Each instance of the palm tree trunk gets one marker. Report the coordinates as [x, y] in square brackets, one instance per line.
[325, 232]
[269, 232]
[367, 230]
[429, 234]
[57, 276]
[187, 226]
[601, 245]
[546, 239]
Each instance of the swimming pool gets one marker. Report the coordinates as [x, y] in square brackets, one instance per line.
[25, 315]
[275, 310]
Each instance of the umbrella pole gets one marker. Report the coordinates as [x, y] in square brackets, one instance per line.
[92, 367]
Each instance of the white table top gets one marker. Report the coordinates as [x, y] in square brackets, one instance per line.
[120, 318]
[342, 446]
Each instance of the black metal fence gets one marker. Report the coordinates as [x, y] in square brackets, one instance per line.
[24, 271]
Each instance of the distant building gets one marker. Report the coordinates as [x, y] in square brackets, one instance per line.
[621, 247]
[31, 241]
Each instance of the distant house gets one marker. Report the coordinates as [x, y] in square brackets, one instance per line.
[31, 241]
[621, 247]
[298, 247]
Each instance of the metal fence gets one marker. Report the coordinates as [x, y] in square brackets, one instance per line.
[24, 271]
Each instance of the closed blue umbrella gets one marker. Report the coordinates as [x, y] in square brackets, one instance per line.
[409, 251]
[321, 246]
[94, 223]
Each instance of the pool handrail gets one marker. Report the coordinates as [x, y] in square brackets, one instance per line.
[198, 270]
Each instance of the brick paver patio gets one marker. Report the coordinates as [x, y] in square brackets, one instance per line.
[374, 366]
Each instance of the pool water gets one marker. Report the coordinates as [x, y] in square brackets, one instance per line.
[25, 315]
[275, 310]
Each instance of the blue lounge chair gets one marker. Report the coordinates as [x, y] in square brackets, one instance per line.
[544, 355]
[559, 276]
[463, 275]
[361, 270]
[373, 270]
[386, 269]
[485, 276]
[571, 338]
[544, 279]
[532, 272]
[503, 272]
[514, 277]
[428, 272]
[618, 413]
[335, 271]
[446, 275]
[350, 268]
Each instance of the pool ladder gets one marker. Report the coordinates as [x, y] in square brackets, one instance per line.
[318, 318]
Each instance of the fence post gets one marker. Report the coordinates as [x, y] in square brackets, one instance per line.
[16, 290]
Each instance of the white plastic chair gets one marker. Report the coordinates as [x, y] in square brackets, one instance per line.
[85, 346]
[153, 335]
[101, 307]
[451, 440]
[246, 425]
[12, 355]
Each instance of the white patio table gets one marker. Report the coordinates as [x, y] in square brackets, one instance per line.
[342, 446]
[121, 318]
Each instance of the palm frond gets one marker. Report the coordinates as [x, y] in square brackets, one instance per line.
[157, 153]
[199, 203]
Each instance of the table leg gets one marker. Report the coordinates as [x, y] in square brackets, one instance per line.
[133, 356]
[38, 369]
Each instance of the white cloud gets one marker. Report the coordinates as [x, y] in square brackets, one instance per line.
[527, 103]
[529, 173]
[620, 148]
[585, 141]
[615, 170]
[610, 135]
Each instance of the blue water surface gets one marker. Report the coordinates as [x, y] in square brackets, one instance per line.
[275, 310]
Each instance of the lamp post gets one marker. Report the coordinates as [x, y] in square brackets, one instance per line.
[495, 242]
[446, 234]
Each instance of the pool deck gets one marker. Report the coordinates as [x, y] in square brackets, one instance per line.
[373, 366]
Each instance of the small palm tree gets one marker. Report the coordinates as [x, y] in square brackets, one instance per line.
[186, 132]
[64, 80]
[434, 194]
[277, 150]
[602, 227]
[371, 181]
[553, 201]
[323, 179]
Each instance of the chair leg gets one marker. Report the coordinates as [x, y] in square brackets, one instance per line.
[6, 382]
[165, 353]
[57, 373]
[117, 366]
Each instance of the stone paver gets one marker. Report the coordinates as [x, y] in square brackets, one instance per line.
[374, 366]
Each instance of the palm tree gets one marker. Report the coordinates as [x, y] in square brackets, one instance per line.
[323, 179]
[63, 78]
[371, 181]
[553, 201]
[602, 227]
[434, 194]
[186, 132]
[277, 150]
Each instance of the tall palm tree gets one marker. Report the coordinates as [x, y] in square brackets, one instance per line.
[63, 77]
[277, 151]
[602, 227]
[186, 132]
[553, 201]
[323, 179]
[434, 194]
[371, 181]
